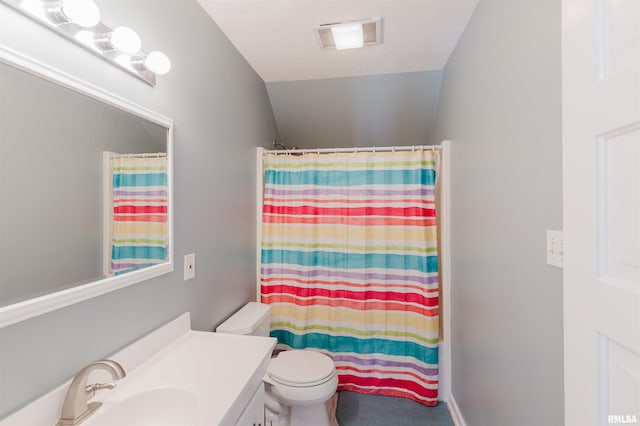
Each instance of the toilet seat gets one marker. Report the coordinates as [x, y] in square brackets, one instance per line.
[301, 368]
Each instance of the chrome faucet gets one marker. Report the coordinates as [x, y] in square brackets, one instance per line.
[75, 408]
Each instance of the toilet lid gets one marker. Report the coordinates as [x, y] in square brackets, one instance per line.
[301, 368]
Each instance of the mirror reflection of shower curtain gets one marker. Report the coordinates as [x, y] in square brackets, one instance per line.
[349, 265]
[139, 226]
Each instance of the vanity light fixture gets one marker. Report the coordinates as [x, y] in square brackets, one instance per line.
[79, 21]
[84, 13]
[122, 39]
[349, 35]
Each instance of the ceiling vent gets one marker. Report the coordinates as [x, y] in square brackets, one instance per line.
[371, 32]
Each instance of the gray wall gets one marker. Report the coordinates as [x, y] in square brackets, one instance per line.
[221, 113]
[500, 104]
[380, 110]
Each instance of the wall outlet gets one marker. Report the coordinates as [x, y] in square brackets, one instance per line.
[189, 266]
[555, 248]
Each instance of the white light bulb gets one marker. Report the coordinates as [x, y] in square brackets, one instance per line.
[125, 40]
[82, 12]
[347, 36]
[157, 62]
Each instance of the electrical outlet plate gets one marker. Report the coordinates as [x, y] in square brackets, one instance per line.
[189, 266]
[555, 248]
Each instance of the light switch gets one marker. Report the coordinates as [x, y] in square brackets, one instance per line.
[555, 248]
[189, 266]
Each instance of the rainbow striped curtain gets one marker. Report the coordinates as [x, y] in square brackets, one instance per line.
[140, 227]
[350, 266]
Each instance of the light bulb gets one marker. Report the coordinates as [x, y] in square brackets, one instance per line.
[347, 36]
[157, 62]
[81, 12]
[125, 40]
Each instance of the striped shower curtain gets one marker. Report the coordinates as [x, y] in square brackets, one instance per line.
[349, 265]
[140, 227]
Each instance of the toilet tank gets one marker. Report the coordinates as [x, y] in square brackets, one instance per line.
[253, 319]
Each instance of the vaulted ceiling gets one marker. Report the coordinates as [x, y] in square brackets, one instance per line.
[276, 36]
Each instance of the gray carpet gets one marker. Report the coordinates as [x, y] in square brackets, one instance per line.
[356, 409]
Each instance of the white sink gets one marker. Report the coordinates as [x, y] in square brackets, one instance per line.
[175, 376]
[158, 407]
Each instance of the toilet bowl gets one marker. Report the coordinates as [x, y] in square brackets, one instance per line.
[297, 382]
[302, 380]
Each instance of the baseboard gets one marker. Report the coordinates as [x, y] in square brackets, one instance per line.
[454, 411]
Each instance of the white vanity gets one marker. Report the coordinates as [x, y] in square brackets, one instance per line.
[175, 376]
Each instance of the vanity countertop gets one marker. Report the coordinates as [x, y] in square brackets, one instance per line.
[219, 372]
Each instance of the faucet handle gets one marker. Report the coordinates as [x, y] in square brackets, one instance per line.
[93, 388]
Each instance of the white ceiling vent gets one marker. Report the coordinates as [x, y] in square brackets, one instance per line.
[371, 32]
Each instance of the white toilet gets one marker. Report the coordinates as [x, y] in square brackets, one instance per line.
[297, 383]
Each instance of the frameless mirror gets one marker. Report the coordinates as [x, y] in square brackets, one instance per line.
[73, 223]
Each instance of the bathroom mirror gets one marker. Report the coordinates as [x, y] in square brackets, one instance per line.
[57, 211]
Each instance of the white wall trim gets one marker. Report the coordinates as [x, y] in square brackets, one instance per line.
[454, 411]
[444, 377]
[259, 195]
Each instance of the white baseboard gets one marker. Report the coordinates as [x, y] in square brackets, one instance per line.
[454, 410]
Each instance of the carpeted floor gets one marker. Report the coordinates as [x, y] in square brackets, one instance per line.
[356, 409]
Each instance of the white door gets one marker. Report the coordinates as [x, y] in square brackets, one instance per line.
[601, 173]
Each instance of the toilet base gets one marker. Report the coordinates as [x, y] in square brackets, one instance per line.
[279, 414]
[275, 412]
[275, 419]
[304, 415]
[309, 415]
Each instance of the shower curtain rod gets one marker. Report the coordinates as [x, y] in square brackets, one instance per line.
[141, 155]
[353, 150]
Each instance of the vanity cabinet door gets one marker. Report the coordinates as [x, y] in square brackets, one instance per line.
[253, 414]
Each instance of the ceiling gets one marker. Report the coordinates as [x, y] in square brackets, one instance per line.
[276, 36]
